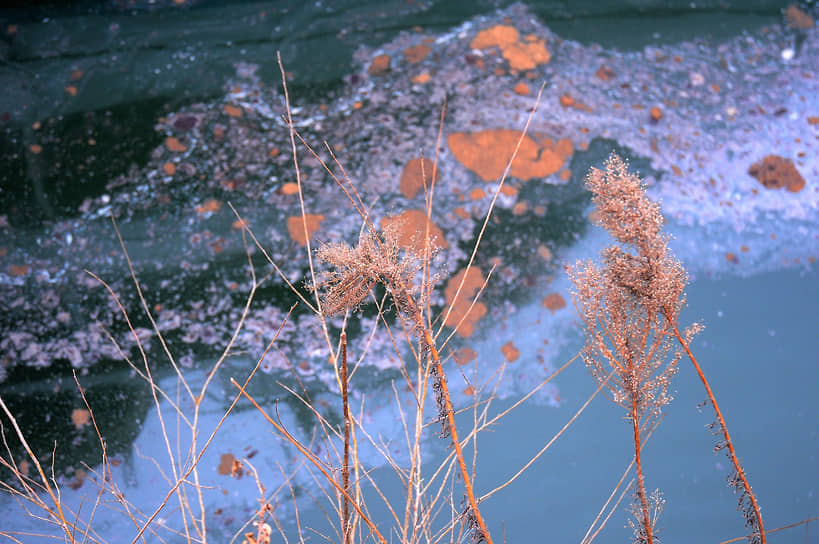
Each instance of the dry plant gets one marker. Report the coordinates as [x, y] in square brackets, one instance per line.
[630, 307]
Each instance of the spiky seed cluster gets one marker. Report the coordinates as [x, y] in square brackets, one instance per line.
[622, 303]
[355, 270]
[629, 307]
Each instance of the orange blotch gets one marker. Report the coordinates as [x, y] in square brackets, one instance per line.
[521, 55]
[553, 302]
[169, 168]
[71, 89]
[510, 351]
[520, 208]
[290, 188]
[497, 36]
[469, 390]
[544, 252]
[462, 213]
[656, 114]
[461, 306]
[226, 461]
[80, 417]
[464, 356]
[233, 111]
[509, 190]
[415, 173]
[412, 227]
[526, 56]
[566, 100]
[731, 258]
[76, 75]
[416, 53]
[487, 152]
[813, 120]
[604, 73]
[173, 144]
[211, 205]
[521, 89]
[775, 172]
[477, 194]
[798, 19]
[35, 148]
[295, 226]
[421, 78]
[239, 224]
[380, 65]
[18, 269]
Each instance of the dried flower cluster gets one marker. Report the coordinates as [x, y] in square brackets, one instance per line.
[629, 338]
[356, 270]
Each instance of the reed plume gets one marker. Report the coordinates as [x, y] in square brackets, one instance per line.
[629, 341]
[630, 308]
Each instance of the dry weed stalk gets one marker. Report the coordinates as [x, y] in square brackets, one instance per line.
[630, 308]
[378, 258]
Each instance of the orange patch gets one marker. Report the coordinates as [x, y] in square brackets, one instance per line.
[416, 53]
[18, 269]
[80, 417]
[509, 190]
[775, 172]
[566, 100]
[477, 194]
[605, 73]
[71, 89]
[76, 75]
[415, 172]
[656, 114]
[813, 120]
[554, 302]
[497, 36]
[510, 351]
[295, 226]
[731, 258]
[469, 390]
[35, 148]
[521, 89]
[290, 188]
[544, 252]
[487, 152]
[421, 78]
[226, 461]
[380, 65]
[520, 208]
[473, 281]
[464, 356]
[412, 227]
[521, 55]
[462, 213]
[796, 18]
[211, 205]
[173, 144]
[233, 111]
[169, 168]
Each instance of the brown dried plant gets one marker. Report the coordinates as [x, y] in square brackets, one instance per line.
[379, 259]
[630, 308]
[628, 339]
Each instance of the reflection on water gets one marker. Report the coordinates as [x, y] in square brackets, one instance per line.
[161, 118]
